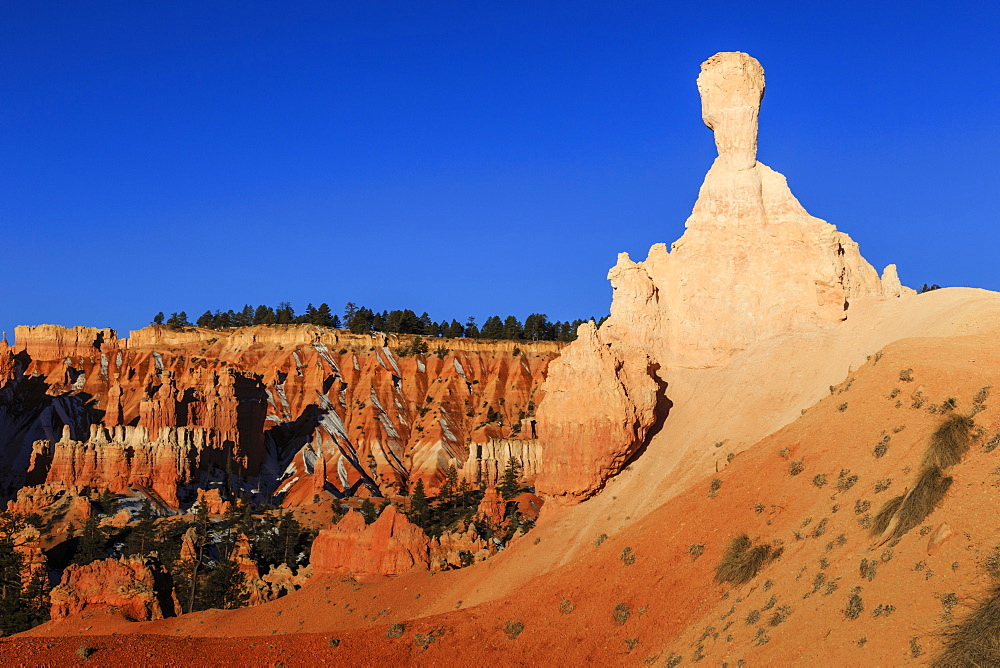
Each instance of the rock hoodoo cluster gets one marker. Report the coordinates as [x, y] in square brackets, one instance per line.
[752, 264]
[283, 412]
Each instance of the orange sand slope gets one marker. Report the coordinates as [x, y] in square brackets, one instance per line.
[646, 591]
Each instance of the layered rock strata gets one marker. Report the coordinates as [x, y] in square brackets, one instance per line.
[280, 412]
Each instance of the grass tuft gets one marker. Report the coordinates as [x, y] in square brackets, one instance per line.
[928, 491]
[975, 641]
[949, 443]
[743, 560]
[885, 514]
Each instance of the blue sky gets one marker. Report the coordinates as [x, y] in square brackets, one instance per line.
[460, 158]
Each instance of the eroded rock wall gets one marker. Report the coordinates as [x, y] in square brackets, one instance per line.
[282, 412]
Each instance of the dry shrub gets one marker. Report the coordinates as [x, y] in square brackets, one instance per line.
[621, 613]
[513, 629]
[976, 640]
[926, 494]
[949, 443]
[885, 515]
[855, 605]
[743, 560]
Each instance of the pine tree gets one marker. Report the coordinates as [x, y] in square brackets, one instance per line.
[141, 539]
[246, 315]
[492, 328]
[11, 564]
[264, 315]
[426, 326]
[289, 535]
[512, 329]
[224, 587]
[92, 541]
[349, 310]
[324, 316]
[448, 491]
[107, 502]
[285, 315]
[158, 318]
[310, 315]
[471, 330]
[420, 510]
[206, 320]
[510, 481]
[368, 511]
[192, 568]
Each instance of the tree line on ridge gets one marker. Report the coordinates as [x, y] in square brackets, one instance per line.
[363, 320]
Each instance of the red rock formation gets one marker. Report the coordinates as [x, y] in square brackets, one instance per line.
[493, 508]
[389, 546]
[138, 588]
[213, 502]
[54, 342]
[601, 402]
[294, 410]
[446, 550]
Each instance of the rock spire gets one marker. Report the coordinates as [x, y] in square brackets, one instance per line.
[751, 265]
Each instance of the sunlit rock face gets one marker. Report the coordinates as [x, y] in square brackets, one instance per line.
[752, 264]
[282, 412]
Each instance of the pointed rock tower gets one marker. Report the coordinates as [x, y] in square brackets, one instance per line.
[752, 264]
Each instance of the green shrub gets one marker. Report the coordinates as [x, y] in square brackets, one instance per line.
[780, 615]
[395, 631]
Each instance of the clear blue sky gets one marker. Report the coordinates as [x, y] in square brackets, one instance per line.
[460, 158]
